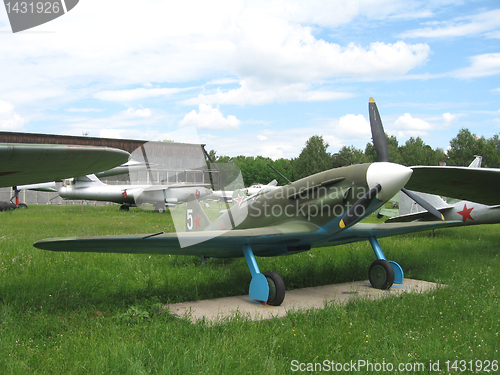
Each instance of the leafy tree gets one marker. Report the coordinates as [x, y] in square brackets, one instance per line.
[285, 167]
[313, 158]
[464, 147]
[348, 155]
[491, 156]
[416, 152]
[392, 146]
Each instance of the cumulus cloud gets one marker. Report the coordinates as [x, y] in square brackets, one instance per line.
[272, 44]
[353, 127]
[9, 120]
[209, 117]
[408, 126]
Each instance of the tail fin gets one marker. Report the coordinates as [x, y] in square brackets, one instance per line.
[196, 219]
[87, 180]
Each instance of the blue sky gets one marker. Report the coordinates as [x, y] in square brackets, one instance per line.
[256, 77]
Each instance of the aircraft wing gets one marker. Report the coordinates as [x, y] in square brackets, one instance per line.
[22, 164]
[476, 185]
[268, 241]
[363, 231]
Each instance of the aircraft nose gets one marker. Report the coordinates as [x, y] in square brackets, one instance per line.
[392, 177]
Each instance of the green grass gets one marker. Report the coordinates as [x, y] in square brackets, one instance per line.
[83, 313]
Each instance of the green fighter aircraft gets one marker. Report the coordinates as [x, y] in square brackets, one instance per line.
[321, 210]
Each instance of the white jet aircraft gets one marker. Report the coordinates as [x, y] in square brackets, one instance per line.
[160, 196]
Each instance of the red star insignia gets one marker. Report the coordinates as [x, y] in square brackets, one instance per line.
[197, 221]
[223, 227]
[466, 212]
[238, 199]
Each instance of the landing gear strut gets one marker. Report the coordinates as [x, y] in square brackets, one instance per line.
[382, 273]
[268, 287]
[16, 196]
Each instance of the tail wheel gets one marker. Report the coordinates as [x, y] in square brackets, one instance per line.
[276, 288]
[381, 274]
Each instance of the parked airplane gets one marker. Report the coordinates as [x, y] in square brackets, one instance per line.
[324, 209]
[409, 206]
[160, 196]
[229, 195]
[257, 188]
[461, 211]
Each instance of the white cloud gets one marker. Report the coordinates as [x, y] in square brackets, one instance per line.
[9, 120]
[408, 126]
[209, 118]
[84, 110]
[449, 118]
[481, 66]
[131, 112]
[353, 127]
[272, 44]
[261, 137]
[111, 133]
[135, 94]
[463, 26]
[248, 94]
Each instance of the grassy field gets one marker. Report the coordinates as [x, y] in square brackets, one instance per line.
[82, 313]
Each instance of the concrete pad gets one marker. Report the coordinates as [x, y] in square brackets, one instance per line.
[299, 299]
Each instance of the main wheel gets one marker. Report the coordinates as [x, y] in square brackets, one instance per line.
[381, 274]
[160, 208]
[124, 207]
[276, 288]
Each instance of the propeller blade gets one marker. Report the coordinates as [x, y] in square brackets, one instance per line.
[378, 134]
[380, 143]
[424, 204]
[358, 210]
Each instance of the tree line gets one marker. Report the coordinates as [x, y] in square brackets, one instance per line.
[315, 158]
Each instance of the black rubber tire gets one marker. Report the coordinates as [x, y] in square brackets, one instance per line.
[124, 207]
[276, 288]
[381, 274]
[22, 205]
